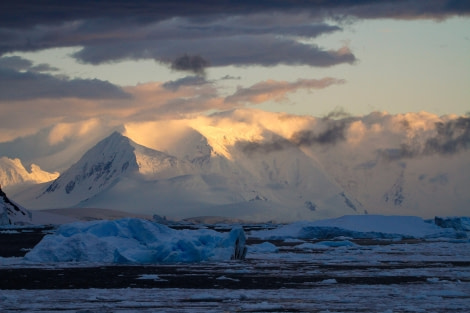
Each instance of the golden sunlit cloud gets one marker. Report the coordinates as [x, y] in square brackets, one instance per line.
[277, 90]
[62, 131]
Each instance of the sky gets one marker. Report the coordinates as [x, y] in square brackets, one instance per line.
[72, 61]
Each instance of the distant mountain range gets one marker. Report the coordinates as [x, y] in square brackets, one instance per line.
[262, 166]
[13, 172]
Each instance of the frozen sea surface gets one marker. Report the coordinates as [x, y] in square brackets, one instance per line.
[287, 269]
[298, 276]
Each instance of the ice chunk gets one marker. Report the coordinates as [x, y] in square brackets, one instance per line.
[136, 241]
[360, 226]
[265, 247]
[457, 223]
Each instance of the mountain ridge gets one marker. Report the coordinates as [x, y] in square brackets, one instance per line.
[283, 166]
[125, 175]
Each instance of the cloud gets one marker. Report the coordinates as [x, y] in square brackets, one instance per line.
[337, 113]
[230, 77]
[191, 63]
[240, 50]
[20, 80]
[21, 14]
[334, 132]
[222, 33]
[28, 111]
[450, 137]
[174, 85]
[62, 131]
[199, 36]
[277, 90]
[15, 63]
[59, 146]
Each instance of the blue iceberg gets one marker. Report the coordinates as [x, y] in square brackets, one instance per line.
[129, 241]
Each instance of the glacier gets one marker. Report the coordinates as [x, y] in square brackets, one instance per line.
[136, 241]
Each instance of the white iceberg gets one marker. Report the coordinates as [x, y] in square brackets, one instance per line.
[136, 241]
[362, 226]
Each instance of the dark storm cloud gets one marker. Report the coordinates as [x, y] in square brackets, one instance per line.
[238, 50]
[26, 13]
[451, 137]
[220, 32]
[15, 63]
[334, 133]
[26, 85]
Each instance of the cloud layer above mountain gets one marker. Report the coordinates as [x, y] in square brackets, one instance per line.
[188, 37]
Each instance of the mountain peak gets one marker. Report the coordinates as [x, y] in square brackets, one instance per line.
[13, 172]
[99, 167]
[111, 160]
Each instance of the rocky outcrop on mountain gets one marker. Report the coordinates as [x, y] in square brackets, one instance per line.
[12, 213]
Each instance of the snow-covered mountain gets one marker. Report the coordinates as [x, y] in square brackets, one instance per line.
[105, 165]
[13, 172]
[407, 164]
[259, 165]
[12, 213]
[121, 174]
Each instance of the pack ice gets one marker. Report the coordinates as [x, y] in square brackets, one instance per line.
[133, 240]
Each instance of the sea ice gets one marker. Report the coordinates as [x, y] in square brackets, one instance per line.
[136, 241]
[361, 226]
[265, 247]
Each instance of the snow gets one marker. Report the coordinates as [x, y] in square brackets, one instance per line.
[135, 241]
[13, 172]
[118, 173]
[12, 213]
[220, 162]
[362, 226]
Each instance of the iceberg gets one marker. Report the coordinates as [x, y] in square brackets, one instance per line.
[136, 241]
[360, 227]
[458, 223]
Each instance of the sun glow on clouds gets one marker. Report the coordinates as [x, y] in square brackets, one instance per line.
[159, 135]
[277, 90]
[63, 131]
[222, 130]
